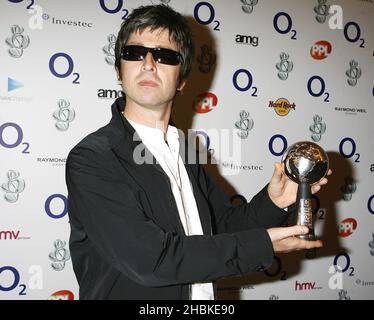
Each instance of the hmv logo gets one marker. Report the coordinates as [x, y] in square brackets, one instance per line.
[302, 286]
[9, 235]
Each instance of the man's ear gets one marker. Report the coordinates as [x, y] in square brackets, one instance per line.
[118, 74]
[181, 86]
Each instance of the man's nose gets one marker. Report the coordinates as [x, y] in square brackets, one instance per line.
[149, 63]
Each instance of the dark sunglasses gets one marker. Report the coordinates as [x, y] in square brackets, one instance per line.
[160, 55]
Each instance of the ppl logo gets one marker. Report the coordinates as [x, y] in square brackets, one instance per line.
[205, 102]
[347, 226]
[321, 50]
[61, 295]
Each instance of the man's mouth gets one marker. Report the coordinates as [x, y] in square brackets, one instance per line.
[148, 83]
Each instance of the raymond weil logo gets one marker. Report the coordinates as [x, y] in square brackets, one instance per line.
[321, 50]
[347, 226]
[282, 106]
[205, 102]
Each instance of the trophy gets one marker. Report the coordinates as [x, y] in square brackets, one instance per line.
[305, 163]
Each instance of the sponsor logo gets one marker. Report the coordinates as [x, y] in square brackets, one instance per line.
[347, 226]
[245, 39]
[59, 256]
[61, 295]
[206, 59]
[371, 245]
[321, 50]
[247, 5]
[305, 286]
[351, 110]
[109, 93]
[321, 11]
[109, 50]
[282, 106]
[318, 128]
[353, 73]
[63, 115]
[205, 102]
[17, 42]
[348, 188]
[284, 66]
[244, 125]
[13, 187]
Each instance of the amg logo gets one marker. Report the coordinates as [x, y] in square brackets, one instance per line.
[246, 40]
[109, 93]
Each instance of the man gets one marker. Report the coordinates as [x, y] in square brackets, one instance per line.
[163, 230]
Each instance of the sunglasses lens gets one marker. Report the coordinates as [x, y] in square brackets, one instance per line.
[160, 55]
[167, 56]
[134, 53]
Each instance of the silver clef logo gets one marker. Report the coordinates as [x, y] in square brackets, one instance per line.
[371, 245]
[353, 73]
[322, 11]
[109, 50]
[244, 125]
[348, 188]
[343, 295]
[13, 187]
[206, 59]
[59, 256]
[248, 5]
[318, 128]
[284, 67]
[64, 115]
[17, 41]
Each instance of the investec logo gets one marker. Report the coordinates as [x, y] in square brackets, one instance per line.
[304, 286]
[245, 39]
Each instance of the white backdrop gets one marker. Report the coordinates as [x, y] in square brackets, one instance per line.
[269, 73]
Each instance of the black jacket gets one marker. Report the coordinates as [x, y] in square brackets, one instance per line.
[127, 241]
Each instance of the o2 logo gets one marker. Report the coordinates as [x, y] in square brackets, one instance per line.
[278, 269]
[322, 90]
[211, 16]
[347, 266]
[342, 149]
[119, 7]
[288, 26]
[283, 141]
[371, 204]
[47, 206]
[61, 56]
[248, 80]
[348, 26]
[19, 1]
[18, 140]
[9, 272]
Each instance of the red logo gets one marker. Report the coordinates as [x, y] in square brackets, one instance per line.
[301, 286]
[62, 295]
[11, 235]
[205, 102]
[347, 226]
[321, 50]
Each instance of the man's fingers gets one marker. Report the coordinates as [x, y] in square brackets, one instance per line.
[281, 233]
[278, 172]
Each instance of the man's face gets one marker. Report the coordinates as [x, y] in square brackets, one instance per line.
[147, 83]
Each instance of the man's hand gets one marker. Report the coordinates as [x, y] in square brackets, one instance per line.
[282, 190]
[284, 239]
